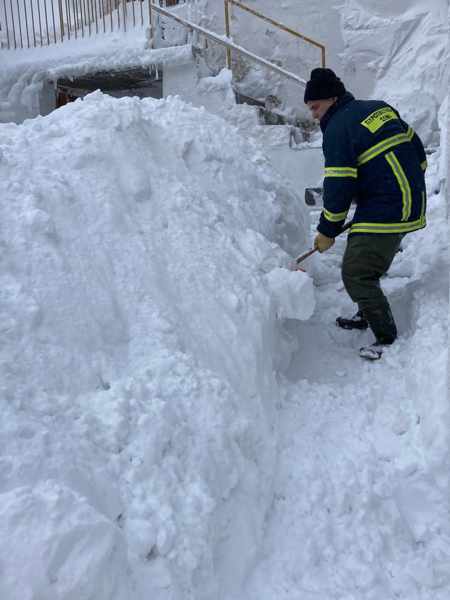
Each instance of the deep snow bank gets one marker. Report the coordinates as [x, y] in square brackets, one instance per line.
[136, 371]
[399, 51]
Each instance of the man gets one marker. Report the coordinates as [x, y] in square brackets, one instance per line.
[374, 158]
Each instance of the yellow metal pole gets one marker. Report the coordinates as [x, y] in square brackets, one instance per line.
[227, 31]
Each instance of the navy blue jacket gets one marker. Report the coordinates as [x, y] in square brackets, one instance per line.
[374, 158]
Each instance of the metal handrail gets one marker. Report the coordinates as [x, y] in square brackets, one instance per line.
[224, 41]
[268, 20]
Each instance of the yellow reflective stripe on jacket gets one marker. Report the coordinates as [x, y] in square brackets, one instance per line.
[403, 183]
[388, 227]
[341, 172]
[424, 165]
[424, 204]
[410, 133]
[386, 144]
[334, 217]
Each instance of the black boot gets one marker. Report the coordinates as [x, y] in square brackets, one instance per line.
[355, 322]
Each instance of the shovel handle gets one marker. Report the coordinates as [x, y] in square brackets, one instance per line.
[303, 257]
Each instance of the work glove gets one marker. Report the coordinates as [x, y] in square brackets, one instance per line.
[322, 243]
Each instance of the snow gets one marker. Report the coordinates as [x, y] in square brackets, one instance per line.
[26, 72]
[293, 294]
[52, 546]
[403, 46]
[138, 309]
[361, 494]
[181, 417]
[381, 49]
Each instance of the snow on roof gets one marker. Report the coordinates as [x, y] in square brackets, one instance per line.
[112, 51]
[26, 71]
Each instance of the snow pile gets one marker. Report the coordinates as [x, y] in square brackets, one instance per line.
[399, 50]
[137, 369]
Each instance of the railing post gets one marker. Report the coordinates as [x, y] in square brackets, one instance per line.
[40, 24]
[13, 25]
[150, 20]
[68, 19]
[61, 19]
[227, 31]
[6, 24]
[32, 23]
[26, 24]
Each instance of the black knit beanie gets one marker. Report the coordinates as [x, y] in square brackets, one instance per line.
[323, 84]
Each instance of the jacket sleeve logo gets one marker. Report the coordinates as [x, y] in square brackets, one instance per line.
[378, 118]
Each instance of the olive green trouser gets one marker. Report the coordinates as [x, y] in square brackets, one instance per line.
[367, 257]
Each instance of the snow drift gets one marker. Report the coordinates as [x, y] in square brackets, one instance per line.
[398, 51]
[138, 375]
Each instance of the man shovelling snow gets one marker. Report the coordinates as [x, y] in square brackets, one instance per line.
[374, 158]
